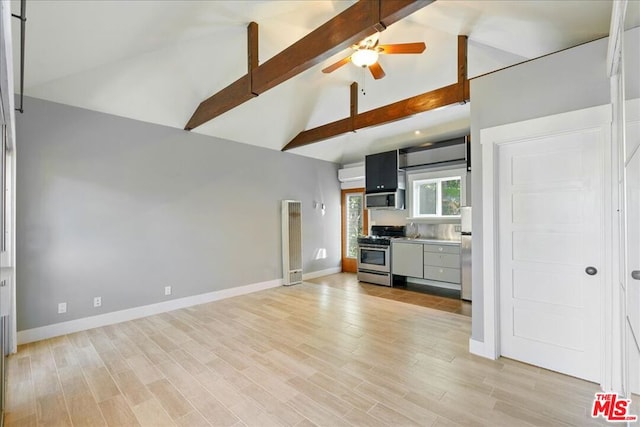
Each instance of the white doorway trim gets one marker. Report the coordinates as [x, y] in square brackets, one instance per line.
[491, 139]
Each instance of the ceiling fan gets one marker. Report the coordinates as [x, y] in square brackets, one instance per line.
[367, 51]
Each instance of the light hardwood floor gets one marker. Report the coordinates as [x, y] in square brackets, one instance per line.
[310, 354]
[410, 293]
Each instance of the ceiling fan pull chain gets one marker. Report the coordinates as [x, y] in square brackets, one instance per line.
[364, 82]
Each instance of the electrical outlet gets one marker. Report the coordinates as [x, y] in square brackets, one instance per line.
[97, 301]
[62, 307]
[167, 290]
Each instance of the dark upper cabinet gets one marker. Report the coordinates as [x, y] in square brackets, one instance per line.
[381, 172]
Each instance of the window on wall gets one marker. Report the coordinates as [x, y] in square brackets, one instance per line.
[437, 194]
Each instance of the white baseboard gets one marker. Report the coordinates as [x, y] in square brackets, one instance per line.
[480, 349]
[320, 273]
[77, 325]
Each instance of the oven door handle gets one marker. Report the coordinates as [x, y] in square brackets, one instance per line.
[382, 247]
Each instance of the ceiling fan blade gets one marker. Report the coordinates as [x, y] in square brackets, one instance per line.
[402, 48]
[376, 71]
[336, 65]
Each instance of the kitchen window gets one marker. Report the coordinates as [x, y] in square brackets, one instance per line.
[437, 194]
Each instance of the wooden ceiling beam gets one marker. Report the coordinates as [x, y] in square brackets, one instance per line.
[252, 53]
[236, 93]
[335, 128]
[227, 99]
[408, 107]
[353, 103]
[389, 113]
[357, 22]
[462, 66]
[456, 93]
[321, 133]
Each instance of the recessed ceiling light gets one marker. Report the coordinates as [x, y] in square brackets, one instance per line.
[417, 132]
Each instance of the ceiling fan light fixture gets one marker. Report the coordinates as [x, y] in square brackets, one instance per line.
[364, 57]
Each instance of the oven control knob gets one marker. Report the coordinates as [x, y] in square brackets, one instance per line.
[440, 249]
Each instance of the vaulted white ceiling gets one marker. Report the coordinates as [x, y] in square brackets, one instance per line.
[155, 61]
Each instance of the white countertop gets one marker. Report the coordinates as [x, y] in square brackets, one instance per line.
[427, 241]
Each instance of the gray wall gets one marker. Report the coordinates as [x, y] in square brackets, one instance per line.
[566, 81]
[120, 208]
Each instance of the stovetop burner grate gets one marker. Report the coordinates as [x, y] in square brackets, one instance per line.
[382, 234]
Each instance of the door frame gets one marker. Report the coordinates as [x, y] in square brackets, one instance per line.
[491, 139]
[343, 225]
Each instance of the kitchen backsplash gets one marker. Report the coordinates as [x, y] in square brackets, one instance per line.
[424, 230]
[433, 231]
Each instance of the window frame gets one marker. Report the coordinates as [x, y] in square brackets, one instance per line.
[439, 176]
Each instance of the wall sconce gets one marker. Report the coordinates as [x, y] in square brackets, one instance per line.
[321, 206]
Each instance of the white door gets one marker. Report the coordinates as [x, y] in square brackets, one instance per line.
[632, 188]
[550, 231]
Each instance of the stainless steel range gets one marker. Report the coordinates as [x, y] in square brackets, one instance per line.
[374, 254]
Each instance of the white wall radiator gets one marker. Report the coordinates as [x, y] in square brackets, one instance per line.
[291, 242]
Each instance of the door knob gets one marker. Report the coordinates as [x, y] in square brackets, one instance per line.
[591, 271]
[635, 274]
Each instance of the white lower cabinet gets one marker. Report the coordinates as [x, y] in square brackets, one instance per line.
[442, 263]
[442, 274]
[406, 259]
[426, 261]
[442, 260]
